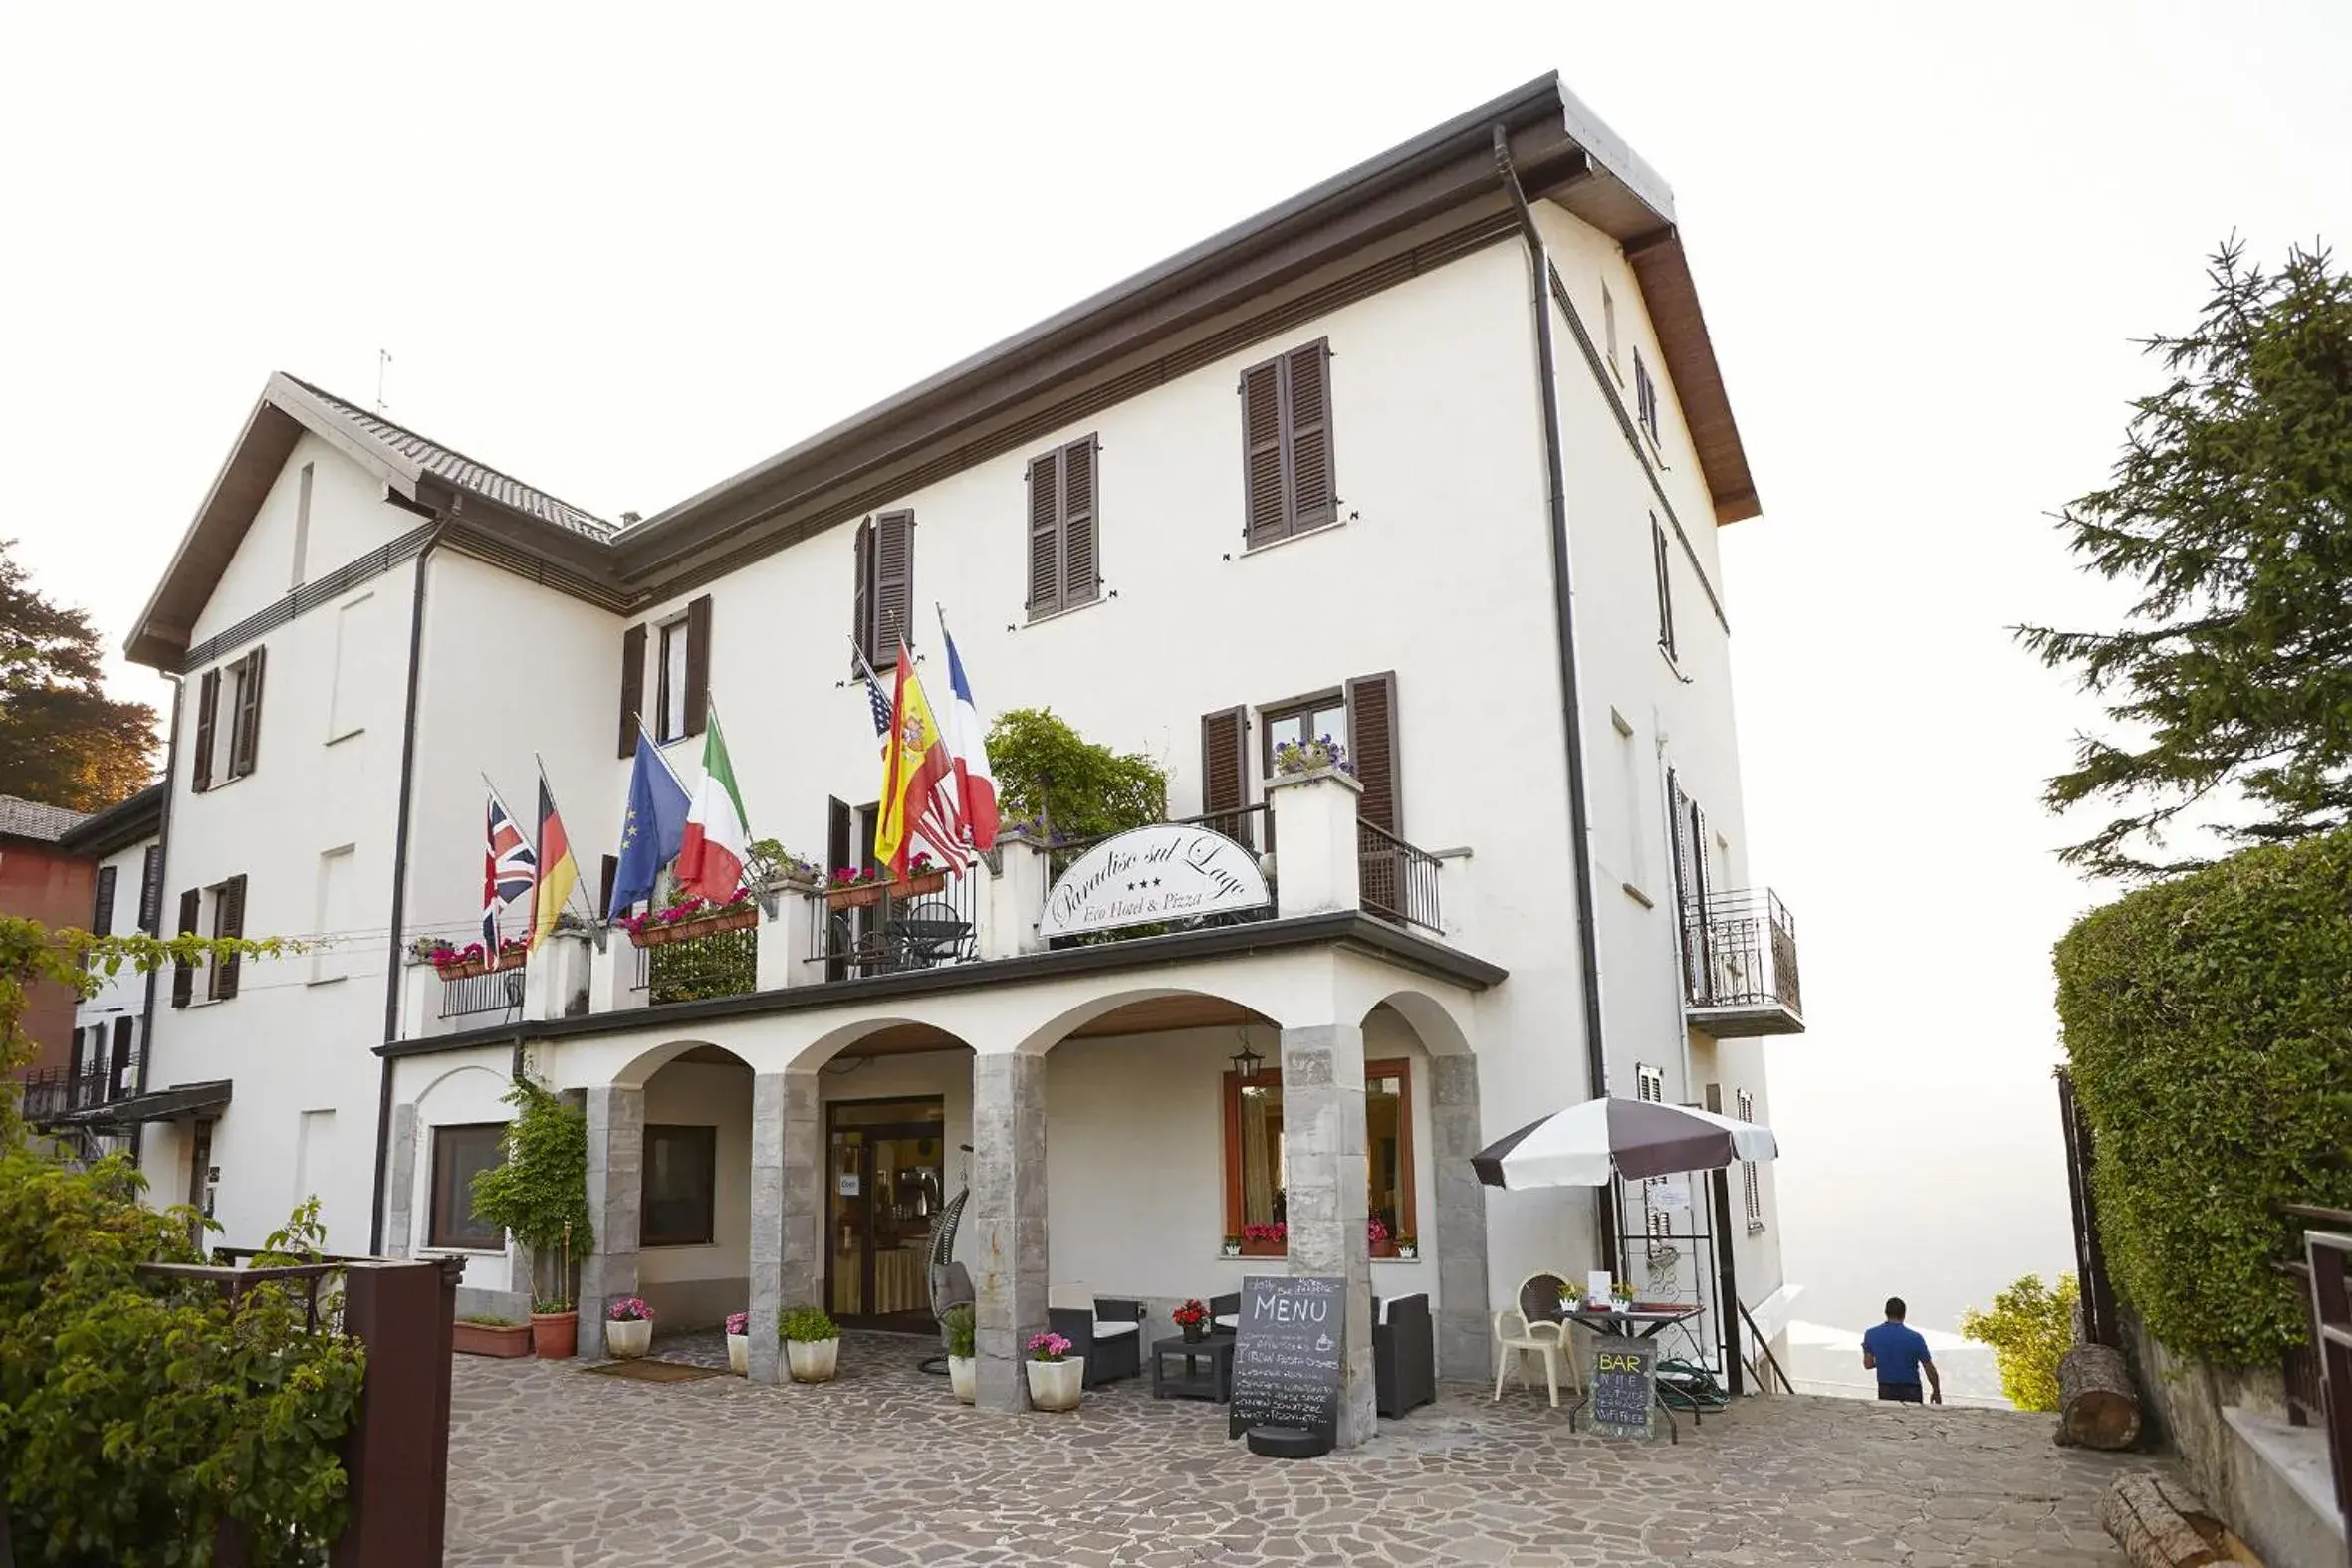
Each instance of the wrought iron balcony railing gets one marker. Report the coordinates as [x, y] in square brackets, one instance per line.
[1739, 964]
[723, 964]
[497, 991]
[1397, 881]
[887, 928]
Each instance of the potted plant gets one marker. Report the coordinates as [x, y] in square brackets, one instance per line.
[691, 918]
[811, 1344]
[1621, 1297]
[628, 1328]
[962, 1362]
[539, 1194]
[1376, 1235]
[1054, 1381]
[473, 959]
[1191, 1320]
[1407, 1248]
[490, 1336]
[853, 888]
[1233, 1246]
[773, 866]
[738, 1343]
[1266, 1240]
[1294, 758]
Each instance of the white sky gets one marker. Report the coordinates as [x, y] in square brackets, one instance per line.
[622, 251]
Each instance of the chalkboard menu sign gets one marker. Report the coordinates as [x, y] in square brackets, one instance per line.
[1624, 1386]
[1288, 1354]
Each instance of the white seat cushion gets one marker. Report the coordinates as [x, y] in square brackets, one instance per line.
[1231, 1320]
[1115, 1328]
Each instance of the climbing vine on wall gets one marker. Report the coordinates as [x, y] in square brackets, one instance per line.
[2208, 1023]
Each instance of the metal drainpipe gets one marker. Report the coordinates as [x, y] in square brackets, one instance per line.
[1563, 604]
[392, 982]
[146, 1014]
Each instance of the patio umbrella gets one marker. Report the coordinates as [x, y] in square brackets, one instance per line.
[1584, 1144]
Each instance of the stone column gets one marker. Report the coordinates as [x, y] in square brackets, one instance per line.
[1327, 1189]
[1007, 1214]
[788, 1208]
[615, 1191]
[1464, 1344]
[400, 1187]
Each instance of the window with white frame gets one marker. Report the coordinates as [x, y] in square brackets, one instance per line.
[1649, 1086]
[670, 672]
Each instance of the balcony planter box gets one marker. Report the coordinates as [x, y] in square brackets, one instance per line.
[490, 1339]
[700, 926]
[859, 894]
[467, 968]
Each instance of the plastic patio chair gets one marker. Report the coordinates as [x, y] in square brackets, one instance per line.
[1534, 1326]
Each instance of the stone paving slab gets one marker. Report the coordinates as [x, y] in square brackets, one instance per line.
[883, 1469]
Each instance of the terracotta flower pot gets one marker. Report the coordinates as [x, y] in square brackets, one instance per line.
[490, 1339]
[813, 1360]
[855, 896]
[739, 1354]
[700, 926]
[1055, 1384]
[554, 1335]
[963, 1375]
[628, 1338]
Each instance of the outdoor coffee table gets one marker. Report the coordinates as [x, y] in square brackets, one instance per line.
[1643, 1322]
[1192, 1383]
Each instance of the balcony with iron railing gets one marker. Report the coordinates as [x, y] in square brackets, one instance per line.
[1009, 903]
[51, 1094]
[1740, 966]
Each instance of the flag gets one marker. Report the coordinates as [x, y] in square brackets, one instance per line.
[717, 842]
[510, 867]
[967, 745]
[652, 828]
[559, 873]
[931, 827]
[914, 764]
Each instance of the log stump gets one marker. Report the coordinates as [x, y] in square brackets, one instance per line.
[2161, 1524]
[2097, 1405]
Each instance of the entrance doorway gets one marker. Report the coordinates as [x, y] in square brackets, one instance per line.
[884, 1162]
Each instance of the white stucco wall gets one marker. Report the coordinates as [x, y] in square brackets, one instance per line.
[462, 1088]
[348, 517]
[707, 1094]
[125, 993]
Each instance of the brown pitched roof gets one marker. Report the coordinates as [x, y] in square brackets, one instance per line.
[21, 818]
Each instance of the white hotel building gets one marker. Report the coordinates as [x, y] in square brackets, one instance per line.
[1432, 455]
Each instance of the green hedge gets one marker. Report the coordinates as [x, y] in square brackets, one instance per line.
[2208, 1021]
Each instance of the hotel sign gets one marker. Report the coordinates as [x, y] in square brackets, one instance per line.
[1163, 872]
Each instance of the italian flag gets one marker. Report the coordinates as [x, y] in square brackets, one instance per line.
[710, 861]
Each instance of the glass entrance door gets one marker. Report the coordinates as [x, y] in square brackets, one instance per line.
[884, 1160]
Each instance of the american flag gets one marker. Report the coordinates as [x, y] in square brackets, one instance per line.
[941, 826]
[510, 869]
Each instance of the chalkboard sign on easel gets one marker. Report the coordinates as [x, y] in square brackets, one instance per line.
[1624, 1387]
[1287, 1353]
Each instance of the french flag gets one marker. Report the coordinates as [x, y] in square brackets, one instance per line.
[967, 743]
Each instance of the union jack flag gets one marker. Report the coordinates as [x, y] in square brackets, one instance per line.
[510, 869]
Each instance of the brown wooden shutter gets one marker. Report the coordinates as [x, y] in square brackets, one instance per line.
[1079, 579]
[1307, 415]
[1045, 533]
[228, 920]
[606, 879]
[895, 583]
[862, 604]
[1225, 771]
[1268, 516]
[632, 687]
[698, 665]
[245, 733]
[150, 890]
[207, 699]
[1373, 747]
[184, 973]
[102, 903]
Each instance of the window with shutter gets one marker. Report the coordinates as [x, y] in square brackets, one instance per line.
[698, 665]
[632, 687]
[207, 701]
[101, 904]
[1045, 535]
[1225, 772]
[1373, 747]
[1752, 1193]
[884, 608]
[669, 682]
[1287, 444]
[228, 920]
[862, 599]
[1660, 561]
[605, 880]
[150, 890]
[245, 731]
[184, 973]
[1645, 398]
[1063, 564]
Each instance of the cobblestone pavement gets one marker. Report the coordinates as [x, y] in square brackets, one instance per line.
[882, 1468]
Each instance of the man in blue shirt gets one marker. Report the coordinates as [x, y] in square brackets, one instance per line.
[1897, 1352]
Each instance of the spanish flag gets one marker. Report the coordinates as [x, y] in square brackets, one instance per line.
[914, 764]
[558, 871]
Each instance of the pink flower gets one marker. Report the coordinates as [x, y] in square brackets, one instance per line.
[739, 1322]
[1048, 1346]
[630, 1309]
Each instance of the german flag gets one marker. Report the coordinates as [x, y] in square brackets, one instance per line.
[558, 871]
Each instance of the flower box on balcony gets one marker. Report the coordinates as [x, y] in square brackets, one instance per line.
[654, 936]
[856, 895]
[479, 964]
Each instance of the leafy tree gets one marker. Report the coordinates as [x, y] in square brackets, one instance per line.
[1049, 775]
[539, 1190]
[2231, 509]
[2030, 1328]
[62, 741]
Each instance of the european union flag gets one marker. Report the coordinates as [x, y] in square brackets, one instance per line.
[651, 830]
